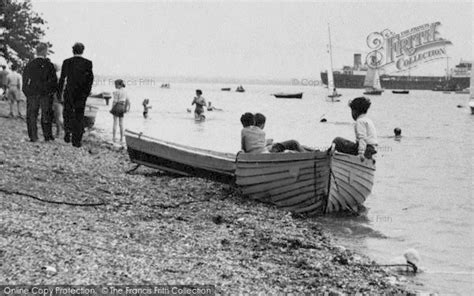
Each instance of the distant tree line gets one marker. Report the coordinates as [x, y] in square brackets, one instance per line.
[21, 29]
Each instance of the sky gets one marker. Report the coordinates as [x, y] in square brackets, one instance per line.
[236, 39]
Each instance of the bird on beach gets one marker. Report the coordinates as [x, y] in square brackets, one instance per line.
[410, 257]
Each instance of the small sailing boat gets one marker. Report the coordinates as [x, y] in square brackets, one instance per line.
[471, 96]
[404, 91]
[333, 95]
[372, 82]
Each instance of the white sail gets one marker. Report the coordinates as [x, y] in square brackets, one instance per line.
[372, 79]
[377, 84]
[369, 78]
[330, 74]
[330, 80]
[471, 91]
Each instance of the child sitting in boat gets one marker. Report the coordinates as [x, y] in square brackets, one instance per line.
[366, 136]
[252, 138]
[254, 141]
[290, 145]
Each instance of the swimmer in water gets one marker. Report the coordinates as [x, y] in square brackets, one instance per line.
[398, 133]
[200, 104]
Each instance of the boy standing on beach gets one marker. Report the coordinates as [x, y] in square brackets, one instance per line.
[14, 94]
[3, 80]
[39, 85]
[366, 135]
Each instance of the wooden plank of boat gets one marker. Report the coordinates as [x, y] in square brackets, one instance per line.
[263, 187]
[180, 159]
[355, 180]
[293, 173]
[293, 181]
[249, 170]
[351, 182]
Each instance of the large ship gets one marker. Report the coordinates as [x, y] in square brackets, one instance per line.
[353, 77]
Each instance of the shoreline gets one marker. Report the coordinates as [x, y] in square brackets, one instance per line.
[74, 216]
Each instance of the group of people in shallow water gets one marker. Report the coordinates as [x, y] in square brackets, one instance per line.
[253, 138]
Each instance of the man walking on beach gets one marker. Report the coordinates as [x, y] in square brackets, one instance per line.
[39, 85]
[76, 81]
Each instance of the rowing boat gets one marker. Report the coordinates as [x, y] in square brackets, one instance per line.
[308, 183]
[180, 159]
[288, 95]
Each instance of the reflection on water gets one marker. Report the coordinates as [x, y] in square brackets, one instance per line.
[422, 192]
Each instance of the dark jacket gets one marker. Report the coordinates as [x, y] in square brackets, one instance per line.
[39, 78]
[76, 74]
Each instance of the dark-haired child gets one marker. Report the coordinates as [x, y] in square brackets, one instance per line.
[252, 137]
[200, 104]
[366, 135]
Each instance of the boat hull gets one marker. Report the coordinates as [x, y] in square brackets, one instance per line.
[373, 92]
[306, 183]
[351, 182]
[180, 159]
[289, 96]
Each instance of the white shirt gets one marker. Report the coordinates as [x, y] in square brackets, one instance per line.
[14, 79]
[365, 132]
[120, 95]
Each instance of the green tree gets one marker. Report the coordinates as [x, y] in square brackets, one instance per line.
[21, 29]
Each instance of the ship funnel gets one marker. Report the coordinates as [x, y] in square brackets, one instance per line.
[357, 61]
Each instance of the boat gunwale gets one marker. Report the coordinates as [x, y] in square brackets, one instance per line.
[185, 148]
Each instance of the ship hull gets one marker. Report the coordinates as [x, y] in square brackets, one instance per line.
[396, 82]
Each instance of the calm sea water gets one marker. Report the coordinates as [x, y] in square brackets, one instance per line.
[422, 197]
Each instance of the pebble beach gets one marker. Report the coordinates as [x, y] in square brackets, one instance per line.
[75, 216]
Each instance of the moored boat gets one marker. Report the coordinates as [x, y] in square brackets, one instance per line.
[405, 91]
[372, 82]
[308, 183]
[103, 95]
[289, 95]
[90, 113]
[240, 88]
[331, 87]
[225, 89]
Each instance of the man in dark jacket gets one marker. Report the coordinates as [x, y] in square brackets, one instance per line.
[39, 84]
[76, 81]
